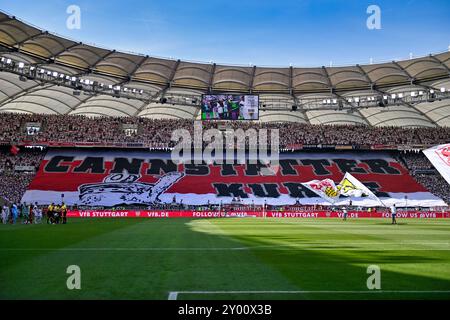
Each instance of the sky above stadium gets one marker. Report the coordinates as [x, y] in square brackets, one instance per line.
[259, 32]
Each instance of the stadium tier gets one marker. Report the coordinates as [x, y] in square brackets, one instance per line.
[42, 73]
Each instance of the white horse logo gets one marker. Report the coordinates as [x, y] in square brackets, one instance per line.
[124, 189]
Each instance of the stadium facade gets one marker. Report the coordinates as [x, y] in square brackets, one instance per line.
[45, 73]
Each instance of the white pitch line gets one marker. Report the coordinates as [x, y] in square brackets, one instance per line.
[173, 295]
[309, 247]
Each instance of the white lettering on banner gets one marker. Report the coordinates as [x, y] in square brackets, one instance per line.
[206, 214]
[157, 214]
[116, 178]
[260, 214]
[300, 215]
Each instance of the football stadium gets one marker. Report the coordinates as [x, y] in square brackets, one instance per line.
[135, 177]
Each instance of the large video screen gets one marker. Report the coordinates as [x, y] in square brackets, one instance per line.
[230, 107]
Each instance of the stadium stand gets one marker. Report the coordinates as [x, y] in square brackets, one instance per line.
[424, 172]
[104, 130]
[71, 94]
[14, 179]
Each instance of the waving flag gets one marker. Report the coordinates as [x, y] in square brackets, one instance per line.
[352, 187]
[439, 156]
[326, 189]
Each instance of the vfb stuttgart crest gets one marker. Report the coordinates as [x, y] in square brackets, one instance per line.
[120, 189]
[444, 153]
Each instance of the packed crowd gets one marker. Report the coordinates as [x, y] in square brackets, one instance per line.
[76, 129]
[416, 161]
[424, 172]
[14, 183]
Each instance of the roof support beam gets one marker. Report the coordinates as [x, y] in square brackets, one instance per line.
[211, 78]
[411, 78]
[374, 87]
[21, 93]
[66, 49]
[330, 85]
[291, 81]
[163, 90]
[441, 63]
[103, 58]
[138, 65]
[406, 104]
[19, 44]
[343, 100]
[252, 78]
[170, 81]
[130, 74]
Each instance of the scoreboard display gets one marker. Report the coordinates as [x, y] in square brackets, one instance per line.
[230, 107]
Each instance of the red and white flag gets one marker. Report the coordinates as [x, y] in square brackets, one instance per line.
[439, 156]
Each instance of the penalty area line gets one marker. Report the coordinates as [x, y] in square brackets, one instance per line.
[173, 295]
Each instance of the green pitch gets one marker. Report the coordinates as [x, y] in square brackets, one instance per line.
[226, 259]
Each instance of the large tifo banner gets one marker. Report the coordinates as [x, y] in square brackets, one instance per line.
[112, 178]
[439, 156]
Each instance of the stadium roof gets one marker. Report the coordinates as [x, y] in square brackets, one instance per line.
[283, 86]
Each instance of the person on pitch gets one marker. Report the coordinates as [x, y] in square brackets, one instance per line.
[50, 213]
[64, 213]
[394, 214]
[56, 214]
[345, 211]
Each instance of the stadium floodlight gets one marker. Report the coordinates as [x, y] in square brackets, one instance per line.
[117, 88]
[432, 91]
[74, 79]
[413, 94]
[49, 73]
[141, 91]
[400, 95]
[357, 99]
[442, 90]
[420, 93]
[334, 101]
[110, 86]
[125, 89]
[55, 74]
[3, 60]
[8, 61]
[32, 68]
[393, 96]
[21, 65]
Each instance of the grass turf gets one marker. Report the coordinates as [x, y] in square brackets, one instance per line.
[148, 258]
